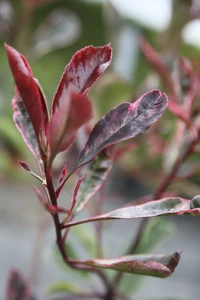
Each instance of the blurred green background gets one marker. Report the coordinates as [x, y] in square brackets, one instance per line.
[48, 33]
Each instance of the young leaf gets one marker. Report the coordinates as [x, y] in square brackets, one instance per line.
[62, 174]
[165, 206]
[73, 200]
[26, 167]
[85, 67]
[151, 265]
[24, 125]
[123, 122]
[17, 288]
[29, 90]
[97, 174]
[65, 122]
[52, 209]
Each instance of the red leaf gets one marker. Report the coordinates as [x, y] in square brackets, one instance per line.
[23, 123]
[73, 202]
[65, 122]
[25, 166]
[52, 209]
[63, 174]
[17, 288]
[85, 67]
[29, 90]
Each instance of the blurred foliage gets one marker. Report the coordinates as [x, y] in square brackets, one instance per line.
[48, 32]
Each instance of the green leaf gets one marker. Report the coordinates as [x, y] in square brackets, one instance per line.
[159, 265]
[96, 176]
[86, 238]
[156, 231]
[24, 125]
[63, 287]
[166, 206]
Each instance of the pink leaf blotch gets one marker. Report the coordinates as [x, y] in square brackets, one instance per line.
[151, 265]
[163, 207]
[28, 88]
[85, 67]
[123, 122]
[66, 121]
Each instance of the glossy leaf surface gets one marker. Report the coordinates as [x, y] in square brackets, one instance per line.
[65, 122]
[29, 90]
[123, 122]
[81, 73]
[151, 265]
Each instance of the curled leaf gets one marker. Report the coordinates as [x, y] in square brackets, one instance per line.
[151, 265]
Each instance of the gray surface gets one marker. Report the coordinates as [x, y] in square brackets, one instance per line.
[20, 214]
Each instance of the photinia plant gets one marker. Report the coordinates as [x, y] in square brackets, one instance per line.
[49, 132]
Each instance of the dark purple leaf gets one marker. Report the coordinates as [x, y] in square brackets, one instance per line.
[85, 67]
[123, 122]
[166, 206]
[17, 288]
[151, 265]
[29, 90]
